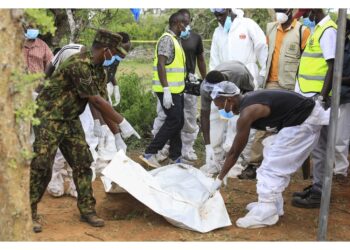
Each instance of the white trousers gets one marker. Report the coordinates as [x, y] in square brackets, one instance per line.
[59, 173]
[190, 129]
[286, 152]
[342, 141]
[222, 134]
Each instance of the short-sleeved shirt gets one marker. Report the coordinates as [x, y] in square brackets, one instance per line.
[193, 47]
[234, 71]
[65, 96]
[66, 52]
[166, 47]
[37, 55]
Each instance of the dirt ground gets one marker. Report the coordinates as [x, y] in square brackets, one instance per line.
[127, 219]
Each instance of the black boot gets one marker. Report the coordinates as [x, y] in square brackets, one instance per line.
[312, 200]
[249, 173]
[303, 193]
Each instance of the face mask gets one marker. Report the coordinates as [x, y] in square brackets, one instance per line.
[228, 23]
[109, 62]
[225, 115]
[281, 17]
[118, 58]
[185, 34]
[31, 33]
[308, 23]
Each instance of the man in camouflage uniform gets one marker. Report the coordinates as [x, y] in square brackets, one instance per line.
[78, 81]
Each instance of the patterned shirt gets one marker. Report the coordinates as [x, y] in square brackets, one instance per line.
[65, 97]
[37, 55]
[166, 47]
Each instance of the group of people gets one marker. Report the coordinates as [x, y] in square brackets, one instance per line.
[263, 108]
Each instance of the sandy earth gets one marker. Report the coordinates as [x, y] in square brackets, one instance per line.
[126, 219]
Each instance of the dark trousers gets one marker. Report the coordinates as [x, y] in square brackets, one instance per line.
[171, 128]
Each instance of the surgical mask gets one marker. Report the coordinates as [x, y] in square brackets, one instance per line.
[185, 34]
[281, 17]
[225, 115]
[118, 58]
[308, 23]
[228, 23]
[31, 33]
[109, 62]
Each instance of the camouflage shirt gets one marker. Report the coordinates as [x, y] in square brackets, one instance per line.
[65, 96]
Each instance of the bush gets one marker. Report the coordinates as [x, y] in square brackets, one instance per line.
[137, 105]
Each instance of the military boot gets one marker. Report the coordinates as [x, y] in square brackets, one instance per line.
[92, 219]
[312, 200]
[36, 225]
[303, 194]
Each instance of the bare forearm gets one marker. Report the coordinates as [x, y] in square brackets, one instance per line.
[162, 75]
[205, 125]
[230, 161]
[106, 110]
[202, 66]
[96, 114]
[327, 86]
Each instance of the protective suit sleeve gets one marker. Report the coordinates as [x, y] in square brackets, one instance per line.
[214, 52]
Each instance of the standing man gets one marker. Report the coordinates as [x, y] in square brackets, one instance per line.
[241, 39]
[78, 81]
[297, 121]
[219, 131]
[37, 55]
[169, 71]
[193, 46]
[314, 79]
[287, 39]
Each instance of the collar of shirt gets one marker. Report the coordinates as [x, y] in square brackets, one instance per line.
[291, 26]
[30, 44]
[324, 20]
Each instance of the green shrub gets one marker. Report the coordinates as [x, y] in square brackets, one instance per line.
[137, 105]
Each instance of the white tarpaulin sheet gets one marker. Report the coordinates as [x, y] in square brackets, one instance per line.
[177, 192]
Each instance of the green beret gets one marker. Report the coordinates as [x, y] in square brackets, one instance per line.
[108, 39]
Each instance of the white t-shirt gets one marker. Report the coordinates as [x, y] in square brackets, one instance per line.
[65, 52]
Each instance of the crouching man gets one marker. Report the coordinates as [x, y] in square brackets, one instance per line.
[297, 122]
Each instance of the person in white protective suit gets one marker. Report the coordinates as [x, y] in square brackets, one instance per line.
[192, 45]
[219, 131]
[241, 39]
[297, 122]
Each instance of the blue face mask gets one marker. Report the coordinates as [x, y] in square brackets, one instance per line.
[186, 34]
[228, 23]
[225, 115]
[308, 23]
[31, 33]
[109, 62]
[118, 58]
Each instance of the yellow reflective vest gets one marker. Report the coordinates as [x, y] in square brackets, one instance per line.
[175, 71]
[313, 67]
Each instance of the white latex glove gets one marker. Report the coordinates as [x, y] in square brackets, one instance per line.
[110, 88]
[127, 130]
[116, 95]
[119, 143]
[215, 186]
[209, 155]
[167, 99]
[97, 129]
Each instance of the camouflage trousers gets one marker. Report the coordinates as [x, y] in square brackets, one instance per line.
[70, 138]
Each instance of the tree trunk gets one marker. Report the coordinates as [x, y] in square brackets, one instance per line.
[15, 222]
[72, 26]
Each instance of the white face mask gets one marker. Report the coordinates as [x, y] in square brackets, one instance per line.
[281, 17]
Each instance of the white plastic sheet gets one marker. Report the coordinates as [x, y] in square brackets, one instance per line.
[178, 192]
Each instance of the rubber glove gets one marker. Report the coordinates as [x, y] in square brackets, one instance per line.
[119, 143]
[102, 140]
[215, 187]
[209, 155]
[167, 99]
[110, 89]
[116, 95]
[127, 130]
[97, 128]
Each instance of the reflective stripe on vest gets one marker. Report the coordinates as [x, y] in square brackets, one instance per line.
[175, 71]
[313, 67]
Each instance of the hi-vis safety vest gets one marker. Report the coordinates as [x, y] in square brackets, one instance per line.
[175, 71]
[313, 67]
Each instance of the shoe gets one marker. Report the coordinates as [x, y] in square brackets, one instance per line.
[312, 200]
[150, 160]
[261, 215]
[304, 193]
[190, 156]
[279, 205]
[163, 154]
[92, 219]
[37, 228]
[180, 160]
[249, 173]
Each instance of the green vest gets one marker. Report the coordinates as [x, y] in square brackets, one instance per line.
[175, 71]
[313, 67]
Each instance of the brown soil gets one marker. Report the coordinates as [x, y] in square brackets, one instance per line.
[127, 219]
